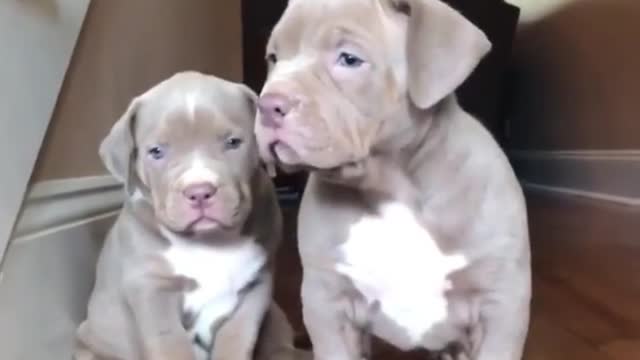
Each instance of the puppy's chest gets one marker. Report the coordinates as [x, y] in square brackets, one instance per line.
[395, 263]
[220, 275]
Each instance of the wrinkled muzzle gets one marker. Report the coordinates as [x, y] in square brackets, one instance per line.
[302, 122]
[201, 199]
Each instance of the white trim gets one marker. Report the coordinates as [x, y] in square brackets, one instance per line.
[46, 281]
[605, 175]
[48, 272]
[580, 193]
[54, 204]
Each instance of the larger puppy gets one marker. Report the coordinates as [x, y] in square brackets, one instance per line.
[186, 270]
[413, 226]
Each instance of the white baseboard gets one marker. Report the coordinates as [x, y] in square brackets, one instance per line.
[604, 175]
[52, 205]
[49, 268]
[580, 193]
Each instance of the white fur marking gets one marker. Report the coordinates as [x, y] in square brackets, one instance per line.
[198, 173]
[220, 273]
[191, 100]
[137, 195]
[392, 259]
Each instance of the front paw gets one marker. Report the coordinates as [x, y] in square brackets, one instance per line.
[451, 352]
[171, 350]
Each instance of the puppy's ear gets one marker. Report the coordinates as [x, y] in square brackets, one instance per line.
[251, 98]
[118, 148]
[251, 102]
[443, 49]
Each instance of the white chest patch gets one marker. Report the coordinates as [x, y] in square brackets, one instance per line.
[220, 274]
[394, 261]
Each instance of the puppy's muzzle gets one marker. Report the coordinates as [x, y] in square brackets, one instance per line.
[274, 109]
[200, 196]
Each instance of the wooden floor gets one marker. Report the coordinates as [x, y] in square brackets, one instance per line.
[586, 260]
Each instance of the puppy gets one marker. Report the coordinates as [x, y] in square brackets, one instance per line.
[413, 226]
[186, 270]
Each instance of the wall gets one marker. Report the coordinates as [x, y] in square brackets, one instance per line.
[574, 119]
[126, 47]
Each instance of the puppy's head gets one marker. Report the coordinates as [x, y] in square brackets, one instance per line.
[346, 75]
[188, 146]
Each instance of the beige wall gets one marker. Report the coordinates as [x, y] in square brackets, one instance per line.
[127, 46]
[578, 78]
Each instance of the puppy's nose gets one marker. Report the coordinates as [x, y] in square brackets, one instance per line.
[200, 195]
[274, 108]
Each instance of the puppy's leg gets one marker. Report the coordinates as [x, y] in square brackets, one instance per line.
[82, 353]
[155, 303]
[504, 319]
[334, 335]
[82, 350]
[452, 352]
[236, 339]
[276, 338]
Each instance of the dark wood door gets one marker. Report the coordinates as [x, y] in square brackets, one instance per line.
[481, 95]
[258, 18]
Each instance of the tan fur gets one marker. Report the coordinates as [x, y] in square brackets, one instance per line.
[136, 308]
[413, 225]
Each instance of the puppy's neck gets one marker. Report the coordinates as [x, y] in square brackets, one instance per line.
[218, 240]
[410, 129]
[390, 170]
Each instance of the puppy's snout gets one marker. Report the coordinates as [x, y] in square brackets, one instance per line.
[200, 195]
[274, 108]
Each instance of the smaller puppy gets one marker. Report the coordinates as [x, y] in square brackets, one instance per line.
[186, 271]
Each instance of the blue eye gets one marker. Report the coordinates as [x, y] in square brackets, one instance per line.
[156, 153]
[349, 60]
[232, 143]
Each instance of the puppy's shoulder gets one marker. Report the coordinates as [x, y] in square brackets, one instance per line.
[134, 235]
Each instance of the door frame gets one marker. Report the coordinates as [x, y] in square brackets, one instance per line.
[41, 36]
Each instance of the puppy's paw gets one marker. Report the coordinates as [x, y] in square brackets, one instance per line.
[82, 354]
[451, 352]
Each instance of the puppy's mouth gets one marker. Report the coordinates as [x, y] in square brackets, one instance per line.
[287, 158]
[294, 150]
[283, 152]
[204, 225]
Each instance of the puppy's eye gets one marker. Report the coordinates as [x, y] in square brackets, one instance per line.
[157, 152]
[349, 60]
[272, 58]
[232, 143]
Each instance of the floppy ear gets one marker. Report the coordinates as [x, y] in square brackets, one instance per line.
[251, 101]
[117, 150]
[251, 98]
[443, 49]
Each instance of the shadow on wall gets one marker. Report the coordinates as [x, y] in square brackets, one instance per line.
[576, 79]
